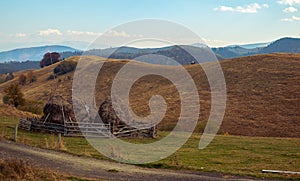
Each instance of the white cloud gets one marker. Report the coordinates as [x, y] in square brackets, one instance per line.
[251, 8]
[289, 2]
[49, 32]
[114, 33]
[265, 6]
[212, 40]
[20, 35]
[290, 10]
[224, 8]
[17, 35]
[292, 19]
[110, 33]
[84, 33]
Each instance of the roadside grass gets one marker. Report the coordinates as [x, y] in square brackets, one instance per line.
[238, 155]
[13, 169]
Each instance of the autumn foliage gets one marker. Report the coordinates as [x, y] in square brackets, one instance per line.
[49, 59]
[13, 95]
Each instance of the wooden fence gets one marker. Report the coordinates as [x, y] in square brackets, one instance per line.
[71, 129]
[86, 129]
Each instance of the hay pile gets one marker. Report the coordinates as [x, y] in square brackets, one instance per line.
[120, 128]
[57, 110]
[108, 114]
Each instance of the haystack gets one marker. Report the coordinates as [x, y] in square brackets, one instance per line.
[118, 127]
[108, 114]
[58, 110]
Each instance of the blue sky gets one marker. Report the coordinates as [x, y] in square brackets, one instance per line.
[219, 22]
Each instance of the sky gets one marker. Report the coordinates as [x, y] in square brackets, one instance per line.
[77, 22]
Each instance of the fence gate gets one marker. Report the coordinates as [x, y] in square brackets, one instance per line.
[98, 130]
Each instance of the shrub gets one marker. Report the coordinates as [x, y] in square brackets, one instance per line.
[2, 81]
[31, 77]
[10, 76]
[65, 67]
[13, 95]
[51, 77]
[5, 99]
[22, 79]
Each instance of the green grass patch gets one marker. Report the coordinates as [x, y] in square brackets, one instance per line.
[238, 155]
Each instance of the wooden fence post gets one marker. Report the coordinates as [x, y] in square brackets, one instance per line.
[16, 133]
[59, 140]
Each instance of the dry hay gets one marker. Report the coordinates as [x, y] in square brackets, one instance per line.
[57, 110]
[108, 116]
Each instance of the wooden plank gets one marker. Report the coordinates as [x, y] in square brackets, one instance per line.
[279, 171]
[46, 118]
[95, 132]
[59, 140]
[16, 133]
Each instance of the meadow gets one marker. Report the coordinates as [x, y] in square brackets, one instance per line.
[227, 154]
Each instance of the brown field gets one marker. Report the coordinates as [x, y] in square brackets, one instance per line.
[11, 111]
[262, 93]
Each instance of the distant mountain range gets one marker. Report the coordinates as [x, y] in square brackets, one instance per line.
[253, 45]
[284, 45]
[178, 53]
[32, 54]
[181, 54]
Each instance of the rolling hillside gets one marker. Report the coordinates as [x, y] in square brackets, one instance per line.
[263, 93]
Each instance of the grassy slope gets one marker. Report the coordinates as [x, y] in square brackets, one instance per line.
[263, 93]
[7, 110]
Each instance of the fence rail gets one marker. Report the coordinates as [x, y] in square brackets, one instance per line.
[86, 129]
[71, 129]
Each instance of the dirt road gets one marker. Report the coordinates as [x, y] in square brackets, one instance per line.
[98, 169]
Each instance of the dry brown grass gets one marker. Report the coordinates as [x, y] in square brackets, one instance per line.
[11, 111]
[13, 169]
[263, 93]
